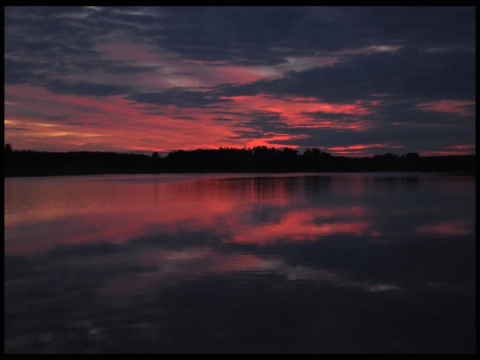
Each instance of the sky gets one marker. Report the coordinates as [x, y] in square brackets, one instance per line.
[353, 81]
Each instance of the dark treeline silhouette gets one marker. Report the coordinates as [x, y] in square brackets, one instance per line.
[257, 159]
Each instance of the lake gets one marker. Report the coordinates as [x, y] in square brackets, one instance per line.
[240, 263]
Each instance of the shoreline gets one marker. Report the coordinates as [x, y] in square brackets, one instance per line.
[246, 171]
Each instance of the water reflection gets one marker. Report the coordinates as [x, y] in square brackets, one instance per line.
[240, 263]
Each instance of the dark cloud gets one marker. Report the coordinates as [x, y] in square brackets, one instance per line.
[185, 117]
[16, 128]
[412, 137]
[265, 122]
[222, 119]
[234, 34]
[116, 67]
[260, 35]
[324, 115]
[178, 97]
[407, 74]
[408, 112]
[45, 44]
[19, 71]
[61, 40]
[265, 35]
[420, 26]
[85, 88]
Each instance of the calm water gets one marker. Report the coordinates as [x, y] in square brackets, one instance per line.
[331, 263]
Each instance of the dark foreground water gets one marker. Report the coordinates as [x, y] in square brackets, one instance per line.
[331, 263]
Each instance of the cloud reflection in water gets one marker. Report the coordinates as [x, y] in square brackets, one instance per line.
[249, 263]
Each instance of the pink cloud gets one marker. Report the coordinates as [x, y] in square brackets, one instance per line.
[448, 106]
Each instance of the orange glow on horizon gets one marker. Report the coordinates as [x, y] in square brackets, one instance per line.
[96, 124]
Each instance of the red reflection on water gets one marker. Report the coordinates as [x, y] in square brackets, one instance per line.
[42, 214]
[303, 225]
[113, 225]
[449, 228]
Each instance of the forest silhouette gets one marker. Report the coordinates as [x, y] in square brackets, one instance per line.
[256, 159]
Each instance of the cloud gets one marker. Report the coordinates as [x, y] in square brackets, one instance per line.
[460, 108]
[447, 228]
[85, 88]
[178, 97]
[267, 34]
[16, 128]
[407, 74]
[400, 71]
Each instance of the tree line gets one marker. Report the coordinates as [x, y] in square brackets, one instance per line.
[256, 159]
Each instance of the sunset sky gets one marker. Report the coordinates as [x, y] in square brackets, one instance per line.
[353, 81]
